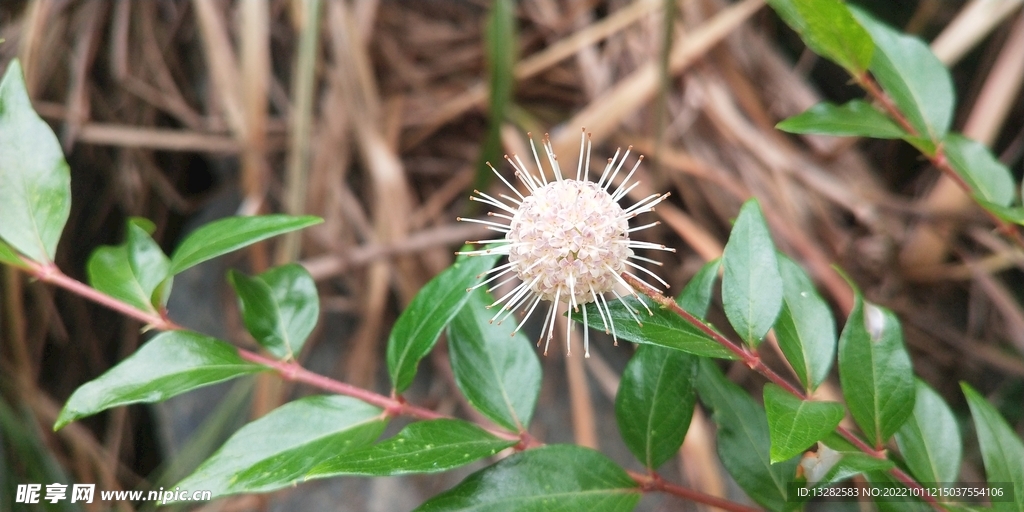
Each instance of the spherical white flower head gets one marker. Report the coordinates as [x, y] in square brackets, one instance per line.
[569, 234]
[567, 240]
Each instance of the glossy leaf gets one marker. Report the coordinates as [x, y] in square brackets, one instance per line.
[832, 32]
[989, 179]
[1001, 448]
[751, 283]
[855, 118]
[232, 233]
[497, 372]
[664, 328]
[35, 181]
[655, 401]
[912, 76]
[875, 371]
[795, 424]
[553, 477]
[278, 449]
[930, 439]
[744, 440]
[131, 272]
[280, 307]
[418, 327]
[805, 329]
[171, 363]
[696, 296]
[422, 447]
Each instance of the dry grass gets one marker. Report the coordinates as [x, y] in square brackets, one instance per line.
[371, 114]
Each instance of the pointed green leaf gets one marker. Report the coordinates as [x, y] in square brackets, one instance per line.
[497, 371]
[855, 118]
[418, 327]
[131, 272]
[795, 424]
[832, 32]
[277, 450]
[744, 440]
[751, 283]
[805, 328]
[553, 477]
[990, 180]
[171, 363]
[233, 233]
[655, 401]
[664, 328]
[875, 371]
[930, 439]
[1001, 448]
[696, 296]
[280, 307]
[35, 181]
[422, 447]
[912, 76]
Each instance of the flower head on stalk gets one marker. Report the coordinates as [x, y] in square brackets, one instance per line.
[567, 240]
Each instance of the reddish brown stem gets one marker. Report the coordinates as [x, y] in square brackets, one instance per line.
[939, 159]
[653, 482]
[753, 360]
[393, 405]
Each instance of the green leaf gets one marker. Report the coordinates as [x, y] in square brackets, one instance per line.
[655, 401]
[796, 424]
[171, 363]
[35, 181]
[664, 328]
[930, 439]
[805, 328]
[497, 371]
[233, 233]
[553, 477]
[832, 32]
[422, 447]
[744, 440]
[418, 327]
[855, 118]
[988, 178]
[696, 296]
[9, 256]
[277, 450]
[132, 272]
[751, 283]
[895, 504]
[875, 371]
[1014, 214]
[1001, 449]
[280, 307]
[914, 78]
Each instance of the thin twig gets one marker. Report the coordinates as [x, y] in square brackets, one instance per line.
[753, 360]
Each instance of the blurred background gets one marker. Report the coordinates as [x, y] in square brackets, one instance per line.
[377, 115]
